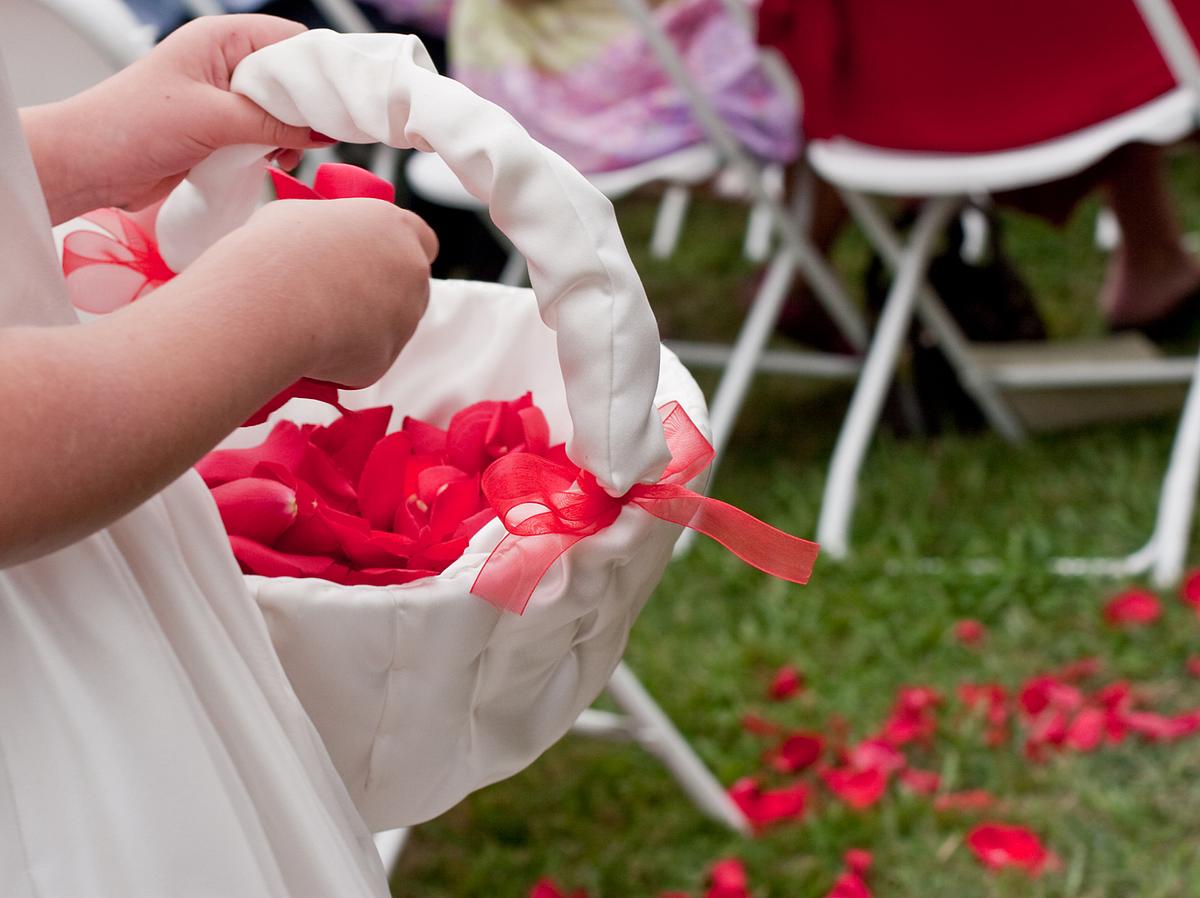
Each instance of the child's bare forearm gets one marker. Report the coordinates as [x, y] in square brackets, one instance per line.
[100, 417]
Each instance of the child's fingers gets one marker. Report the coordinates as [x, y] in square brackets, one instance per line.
[244, 121]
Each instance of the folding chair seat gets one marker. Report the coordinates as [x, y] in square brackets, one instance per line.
[944, 181]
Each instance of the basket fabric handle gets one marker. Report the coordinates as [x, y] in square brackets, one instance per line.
[367, 88]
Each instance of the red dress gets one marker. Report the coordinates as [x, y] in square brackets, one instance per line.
[966, 75]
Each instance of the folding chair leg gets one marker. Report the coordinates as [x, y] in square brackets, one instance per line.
[1164, 554]
[837, 504]
[934, 316]
[653, 730]
[669, 222]
[742, 364]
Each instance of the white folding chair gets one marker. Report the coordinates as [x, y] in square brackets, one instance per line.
[946, 181]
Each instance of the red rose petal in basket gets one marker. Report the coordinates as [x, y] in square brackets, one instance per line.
[381, 486]
[797, 752]
[306, 388]
[285, 446]
[424, 438]
[1133, 607]
[255, 558]
[969, 632]
[998, 845]
[255, 507]
[727, 879]
[764, 807]
[858, 788]
[786, 683]
[348, 441]
[922, 782]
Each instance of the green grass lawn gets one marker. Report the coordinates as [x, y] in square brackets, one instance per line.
[1124, 820]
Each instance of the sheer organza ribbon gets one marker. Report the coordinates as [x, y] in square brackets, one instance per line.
[107, 271]
[544, 516]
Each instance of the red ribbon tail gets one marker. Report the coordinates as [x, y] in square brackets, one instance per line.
[516, 566]
[755, 542]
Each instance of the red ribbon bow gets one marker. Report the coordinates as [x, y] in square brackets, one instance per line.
[533, 543]
[107, 271]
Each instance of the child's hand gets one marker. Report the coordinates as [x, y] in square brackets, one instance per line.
[130, 139]
[343, 283]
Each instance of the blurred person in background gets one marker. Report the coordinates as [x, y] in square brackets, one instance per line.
[940, 76]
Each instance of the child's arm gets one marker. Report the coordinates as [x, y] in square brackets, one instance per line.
[99, 417]
[130, 139]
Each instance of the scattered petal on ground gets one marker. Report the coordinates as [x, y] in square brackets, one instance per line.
[1132, 608]
[999, 845]
[786, 683]
[969, 632]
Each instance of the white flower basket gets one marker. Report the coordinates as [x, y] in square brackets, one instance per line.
[423, 692]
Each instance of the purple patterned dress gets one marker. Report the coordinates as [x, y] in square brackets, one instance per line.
[583, 80]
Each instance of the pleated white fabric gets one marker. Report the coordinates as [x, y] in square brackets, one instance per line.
[150, 743]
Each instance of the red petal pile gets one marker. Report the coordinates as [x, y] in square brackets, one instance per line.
[354, 504]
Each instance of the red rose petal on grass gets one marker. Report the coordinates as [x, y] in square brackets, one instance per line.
[1087, 730]
[858, 788]
[1081, 669]
[786, 683]
[1193, 666]
[1163, 728]
[852, 883]
[997, 845]
[797, 752]
[1190, 591]
[256, 508]
[969, 632]
[923, 782]
[858, 861]
[285, 445]
[969, 800]
[875, 754]
[760, 726]
[727, 879]
[764, 807]
[1133, 607]
[849, 885]
[348, 441]
[912, 716]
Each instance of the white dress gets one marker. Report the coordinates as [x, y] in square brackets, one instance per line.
[150, 744]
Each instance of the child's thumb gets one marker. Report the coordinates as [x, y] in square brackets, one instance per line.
[247, 122]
